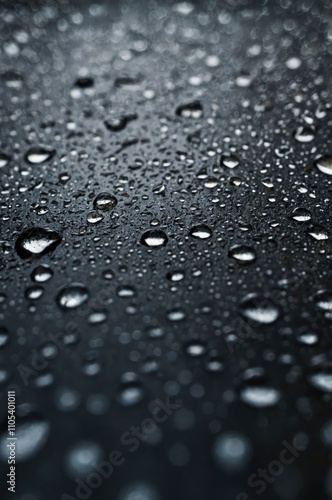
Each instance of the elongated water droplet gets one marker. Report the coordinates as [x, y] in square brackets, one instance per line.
[201, 232]
[324, 164]
[258, 309]
[39, 154]
[72, 296]
[154, 239]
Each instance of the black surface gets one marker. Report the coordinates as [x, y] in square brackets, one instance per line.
[127, 100]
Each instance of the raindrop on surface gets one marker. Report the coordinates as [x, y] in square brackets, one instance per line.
[131, 391]
[34, 292]
[39, 154]
[36, 241]
[72, 296]
[242, 254]
[190, 110]
[324, 164]
[105, 201]
[176, 315]
[322, 381]
[201, 232]
[260, 396]
[301, 214]
[94, 217]
[229, 161]
[318, 233]
[4, 159]
[259, 309]
[31, 435]
[155, 332]
[118, 123]
[304, 134]
[232, 451]
[154, 239]
[4, 336]
[307, 338]
[41, 274]
[175, 276]
[323, 299]
[195, 349]
[81, 457]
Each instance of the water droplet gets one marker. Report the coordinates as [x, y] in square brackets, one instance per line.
[94, 217]
[118, 123]
[131, 390]
[72, 296]
[154, 238]
[31, 434]
[201, 232]
[84, 82]
[322, 380]
[260, 396]
[4, 336]
[304, 134]
[39, 154]
[195, 349]
[175, 276]
[190, 110]
[34, 292]
[229, 161]
[41, 274]
[105, 201]
[232, 451]
[176, 315]
[36, 241]
[318, 232]
[4, 159]
[323, 299]
[301, 214]
[259, 309]
[307, 338]
[324, 164]
[242, 254]
[155, 332]
[80, 459]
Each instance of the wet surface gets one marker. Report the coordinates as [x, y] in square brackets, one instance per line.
[166, 233]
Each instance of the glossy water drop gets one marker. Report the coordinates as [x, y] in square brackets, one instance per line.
[195, 349]
[229, 161]
[190, 110]
[318, 232]
[201, 232]
[232, 451]
[258, 309]
[301, 214]
[41, 274]
[176, 315]
[324, 164]
[94, 217]
[105, 201]
[36, 241]
[259, 396]
[322, 380]
[81, 458]
[175, 276]
[307, 338]
[242, 254]
[4, 159]
[32, 434]
[131, 391]
[4, 336]
[304, 134]
[154, 239]
[72, 296]
[39, 154]
[118, 123]
[323, 299]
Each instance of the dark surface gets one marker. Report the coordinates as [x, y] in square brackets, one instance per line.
[126, 99]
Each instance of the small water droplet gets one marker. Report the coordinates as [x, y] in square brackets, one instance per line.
[229, 161]
[105, 201]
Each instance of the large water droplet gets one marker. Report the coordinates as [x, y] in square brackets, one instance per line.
[154, 239]
[36, 241]
[259, 309]
[301, 214]
[31, 436]
[324, 164]
[39, 154]
[322, 380]
[304, 134]
[72, 296]
[259, 396]
[4, 159]
[229, 161]
[323, 300]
